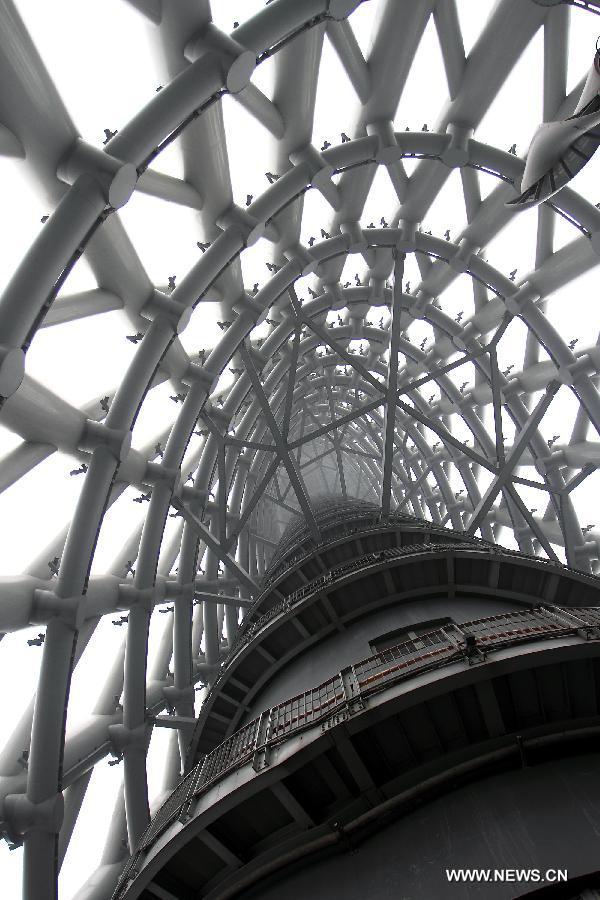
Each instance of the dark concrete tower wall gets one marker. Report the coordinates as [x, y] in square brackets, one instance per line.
[374, 606]
[325, 603]
[401, 700]
[543, 818]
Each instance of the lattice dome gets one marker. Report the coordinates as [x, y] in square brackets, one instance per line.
[254, 255]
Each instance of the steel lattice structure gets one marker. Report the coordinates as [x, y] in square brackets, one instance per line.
[322, 384]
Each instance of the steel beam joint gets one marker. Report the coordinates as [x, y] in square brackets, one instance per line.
[117, 179]
[23, 815]
[47, 605]
[96, 434]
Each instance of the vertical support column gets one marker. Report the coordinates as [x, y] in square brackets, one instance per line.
[211, 627]
[130, 739]
[253, 568]
[231, 623]
[244, 559]
[41, 809]
[182, 660]
[392, 385]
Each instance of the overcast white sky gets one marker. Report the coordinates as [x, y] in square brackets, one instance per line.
[102, 58]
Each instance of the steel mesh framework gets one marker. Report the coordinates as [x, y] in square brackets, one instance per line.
[329, 395]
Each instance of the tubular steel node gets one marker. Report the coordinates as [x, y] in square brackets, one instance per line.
[379, 356]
